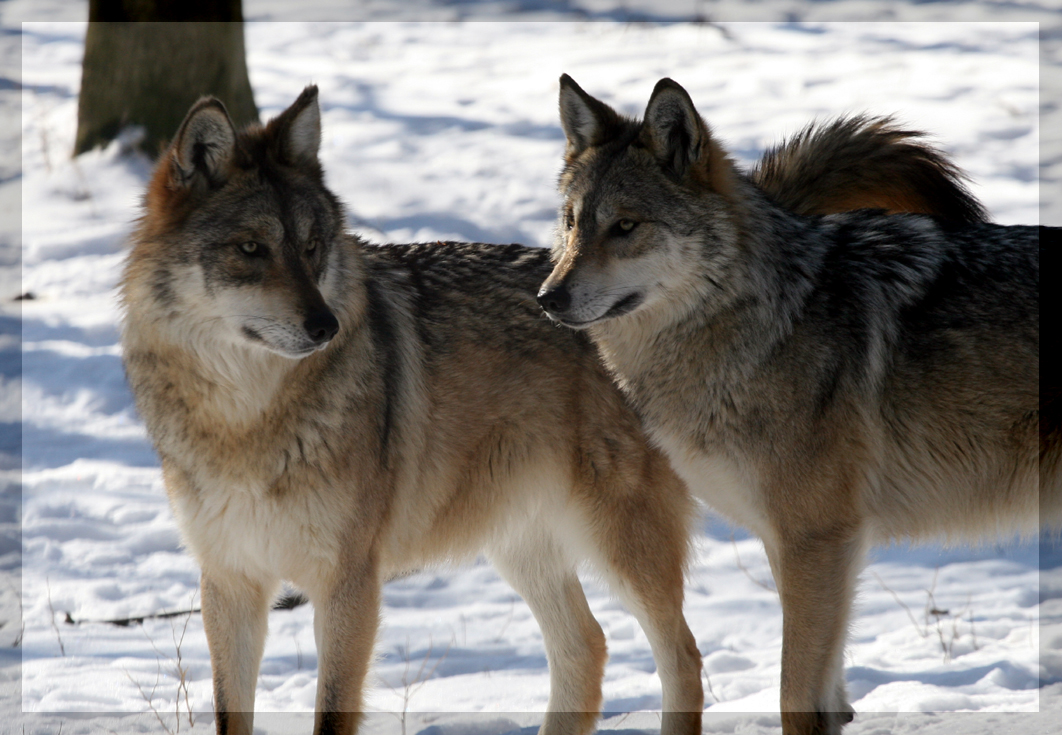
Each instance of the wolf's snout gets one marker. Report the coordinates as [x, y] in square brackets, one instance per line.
[555, 300]
[321, 326]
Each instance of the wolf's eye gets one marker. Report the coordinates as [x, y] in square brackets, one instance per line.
[250, 248]
[311, 246]
[569, 221]
[623, 226]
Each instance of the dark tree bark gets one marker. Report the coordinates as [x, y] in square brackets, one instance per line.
[147, 61]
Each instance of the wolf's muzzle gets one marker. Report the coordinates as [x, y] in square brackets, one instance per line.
[321, 326]
[556, 301]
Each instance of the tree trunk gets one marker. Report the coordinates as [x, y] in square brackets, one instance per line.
[147, 61]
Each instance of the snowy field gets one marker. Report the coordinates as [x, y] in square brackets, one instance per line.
[450, 131]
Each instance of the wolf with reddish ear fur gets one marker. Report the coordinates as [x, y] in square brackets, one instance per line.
[335, 415]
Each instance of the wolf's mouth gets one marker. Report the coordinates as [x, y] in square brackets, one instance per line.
[294, 352]
[251, 334]
[628, 303]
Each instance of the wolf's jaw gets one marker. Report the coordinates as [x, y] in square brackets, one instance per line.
[625, 305]
[258, 341]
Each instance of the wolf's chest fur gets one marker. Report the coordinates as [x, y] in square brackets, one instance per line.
[247, 470]
[259, 508]
[258, 533]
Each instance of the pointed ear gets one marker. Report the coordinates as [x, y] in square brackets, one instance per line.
[673, 129]
[298, 129]
[204, 144]
[586, 121]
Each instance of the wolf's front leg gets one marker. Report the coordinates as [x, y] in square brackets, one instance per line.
[346, 615]
[816, 574]
[235, 617]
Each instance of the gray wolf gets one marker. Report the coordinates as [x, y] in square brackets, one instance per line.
[828, 381]
[335, 414]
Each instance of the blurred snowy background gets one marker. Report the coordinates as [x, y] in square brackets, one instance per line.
[444, 125]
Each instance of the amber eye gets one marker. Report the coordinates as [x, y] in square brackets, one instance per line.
[624, 226]
[249, 248]
[311, 245]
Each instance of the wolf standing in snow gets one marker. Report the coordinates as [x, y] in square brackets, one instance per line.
[828, 382]
[335, 414]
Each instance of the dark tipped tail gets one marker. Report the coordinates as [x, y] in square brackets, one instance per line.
[865, 163]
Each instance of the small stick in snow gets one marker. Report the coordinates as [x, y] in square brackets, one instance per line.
[136, 620]
[62, 649]
[744, 569]
[287, 602]
[902, 604]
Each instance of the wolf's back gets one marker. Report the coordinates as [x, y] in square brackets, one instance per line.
[476, 293]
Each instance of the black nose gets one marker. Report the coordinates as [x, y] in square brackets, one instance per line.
[555, 300]
[321, 325]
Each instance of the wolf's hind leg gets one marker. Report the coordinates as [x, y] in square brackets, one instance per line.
[537, 568]
[638, 538]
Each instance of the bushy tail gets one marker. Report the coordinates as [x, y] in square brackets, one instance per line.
[865, 163]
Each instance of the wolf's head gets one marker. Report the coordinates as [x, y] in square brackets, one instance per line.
[648, 209]
[240, 237]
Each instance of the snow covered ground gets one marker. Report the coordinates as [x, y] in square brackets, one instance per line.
[449, 130]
